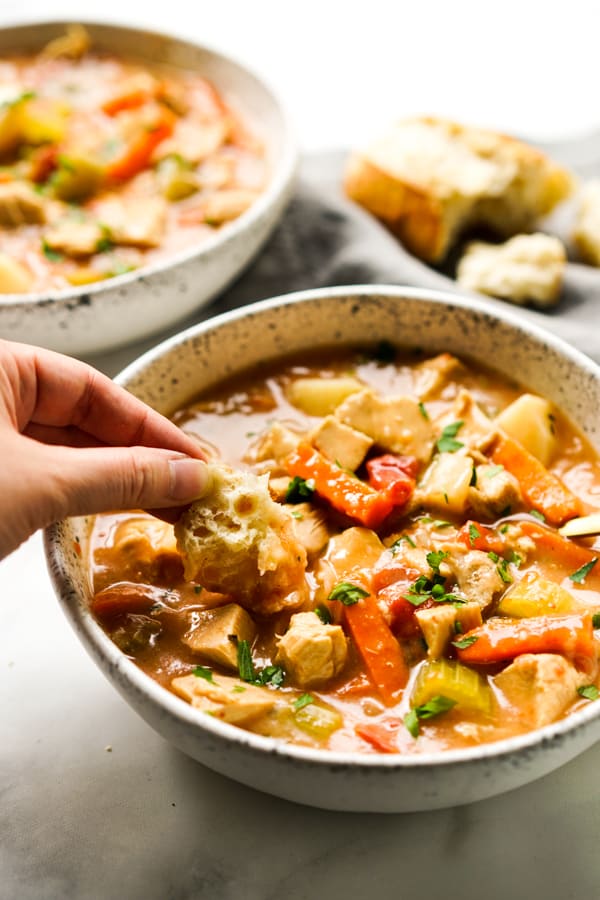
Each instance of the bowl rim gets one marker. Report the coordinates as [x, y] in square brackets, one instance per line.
[100, 645]
[282, 172]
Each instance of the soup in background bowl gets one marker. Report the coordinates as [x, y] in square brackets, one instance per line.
[446, 689]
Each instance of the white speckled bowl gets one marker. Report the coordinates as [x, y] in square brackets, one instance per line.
[169, 375]
[127, 308]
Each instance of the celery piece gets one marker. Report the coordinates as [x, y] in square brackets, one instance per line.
[536, 596]
[318, 721]
[176, 179]
[467, 688]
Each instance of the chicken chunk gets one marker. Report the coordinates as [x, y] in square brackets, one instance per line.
[236, 540]
[477, 430]
[276, 444]
[134, 223]
[216, 634]
[20, 205]
[311, 528]
[341, 443]
[75, 238]
[310, 651]
[439, 625]
[394, 423]
[476, 574]
[225, 698]
[539, 686]
[432, 375]
[496, 492]
[225, 205]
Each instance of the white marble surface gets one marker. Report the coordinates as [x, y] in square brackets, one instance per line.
[140, 820]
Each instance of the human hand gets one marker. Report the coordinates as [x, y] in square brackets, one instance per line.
[74, 443]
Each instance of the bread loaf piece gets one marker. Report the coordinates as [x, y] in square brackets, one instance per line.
[429, 180]
[529, 267]
[238, 541]
[586, 235]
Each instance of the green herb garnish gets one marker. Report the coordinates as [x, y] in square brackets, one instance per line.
[303, 701]
[580, 575]
[324, 615]
[423, 411]
[474, 533]
[348, 593]
[446, 442]
[50, 254]
[244, 661]
[503, 572]
[203, 672]
[434, 707]
[435, 558]
[537, 515]
[596, 620]
[274, 675]
[589, 691]
[299, 490]
[465, 642]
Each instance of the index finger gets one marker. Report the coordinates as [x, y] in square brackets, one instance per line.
[62, 392]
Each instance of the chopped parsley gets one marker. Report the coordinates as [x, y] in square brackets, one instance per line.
[50, 254]
[434, 707]
[474, 533]
[596, 620]
[348, 593]
[304, 700]
[537, 515]
[503, 572]
[465, 642]
[197, 588]
[324, 615]
[423, 411]
[203, 672]
[397, 543]
[244, 661]
[580, 575]
[493, 471]
[589, 691]
[299, 490]
[434, 559]
[446, 443]
[473, 481]
[274, 675]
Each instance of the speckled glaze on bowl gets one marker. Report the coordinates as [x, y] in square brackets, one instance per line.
[170, 374]
[121, 310]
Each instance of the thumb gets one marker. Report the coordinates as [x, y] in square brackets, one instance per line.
[97, 479]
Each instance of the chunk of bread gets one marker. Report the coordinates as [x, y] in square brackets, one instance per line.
[238, 541]
[586, 235]
[529, 267]
[430, 179]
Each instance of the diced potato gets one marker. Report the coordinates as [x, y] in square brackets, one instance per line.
[394, 423]
[43, 120]
[225, 698]
[78, 177]
[10, 123]
[177, 181]
[530, 420]
[445, 485]
[536, 596]
[14, 277]
[217, 631]
[448, 678]
[341, 443]
[85, 275]
[438, 625]
[321, 396]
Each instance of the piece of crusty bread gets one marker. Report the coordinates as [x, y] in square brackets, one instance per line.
[238, 541]
[429, 179]
[586, 235]
[528, 267]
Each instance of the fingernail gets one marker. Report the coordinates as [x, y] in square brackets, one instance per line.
[189, 479]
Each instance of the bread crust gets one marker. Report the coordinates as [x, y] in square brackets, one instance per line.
[429, 179]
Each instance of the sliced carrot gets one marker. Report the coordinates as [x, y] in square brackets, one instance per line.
[477, 536]
[383, 735]
[379, 649]
[137, 155]
[563, 552]
[131, 99]
[503, 639]
[541, 489]
[347, 494]
[401, 612]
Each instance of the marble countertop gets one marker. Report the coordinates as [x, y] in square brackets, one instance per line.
[94, 804]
